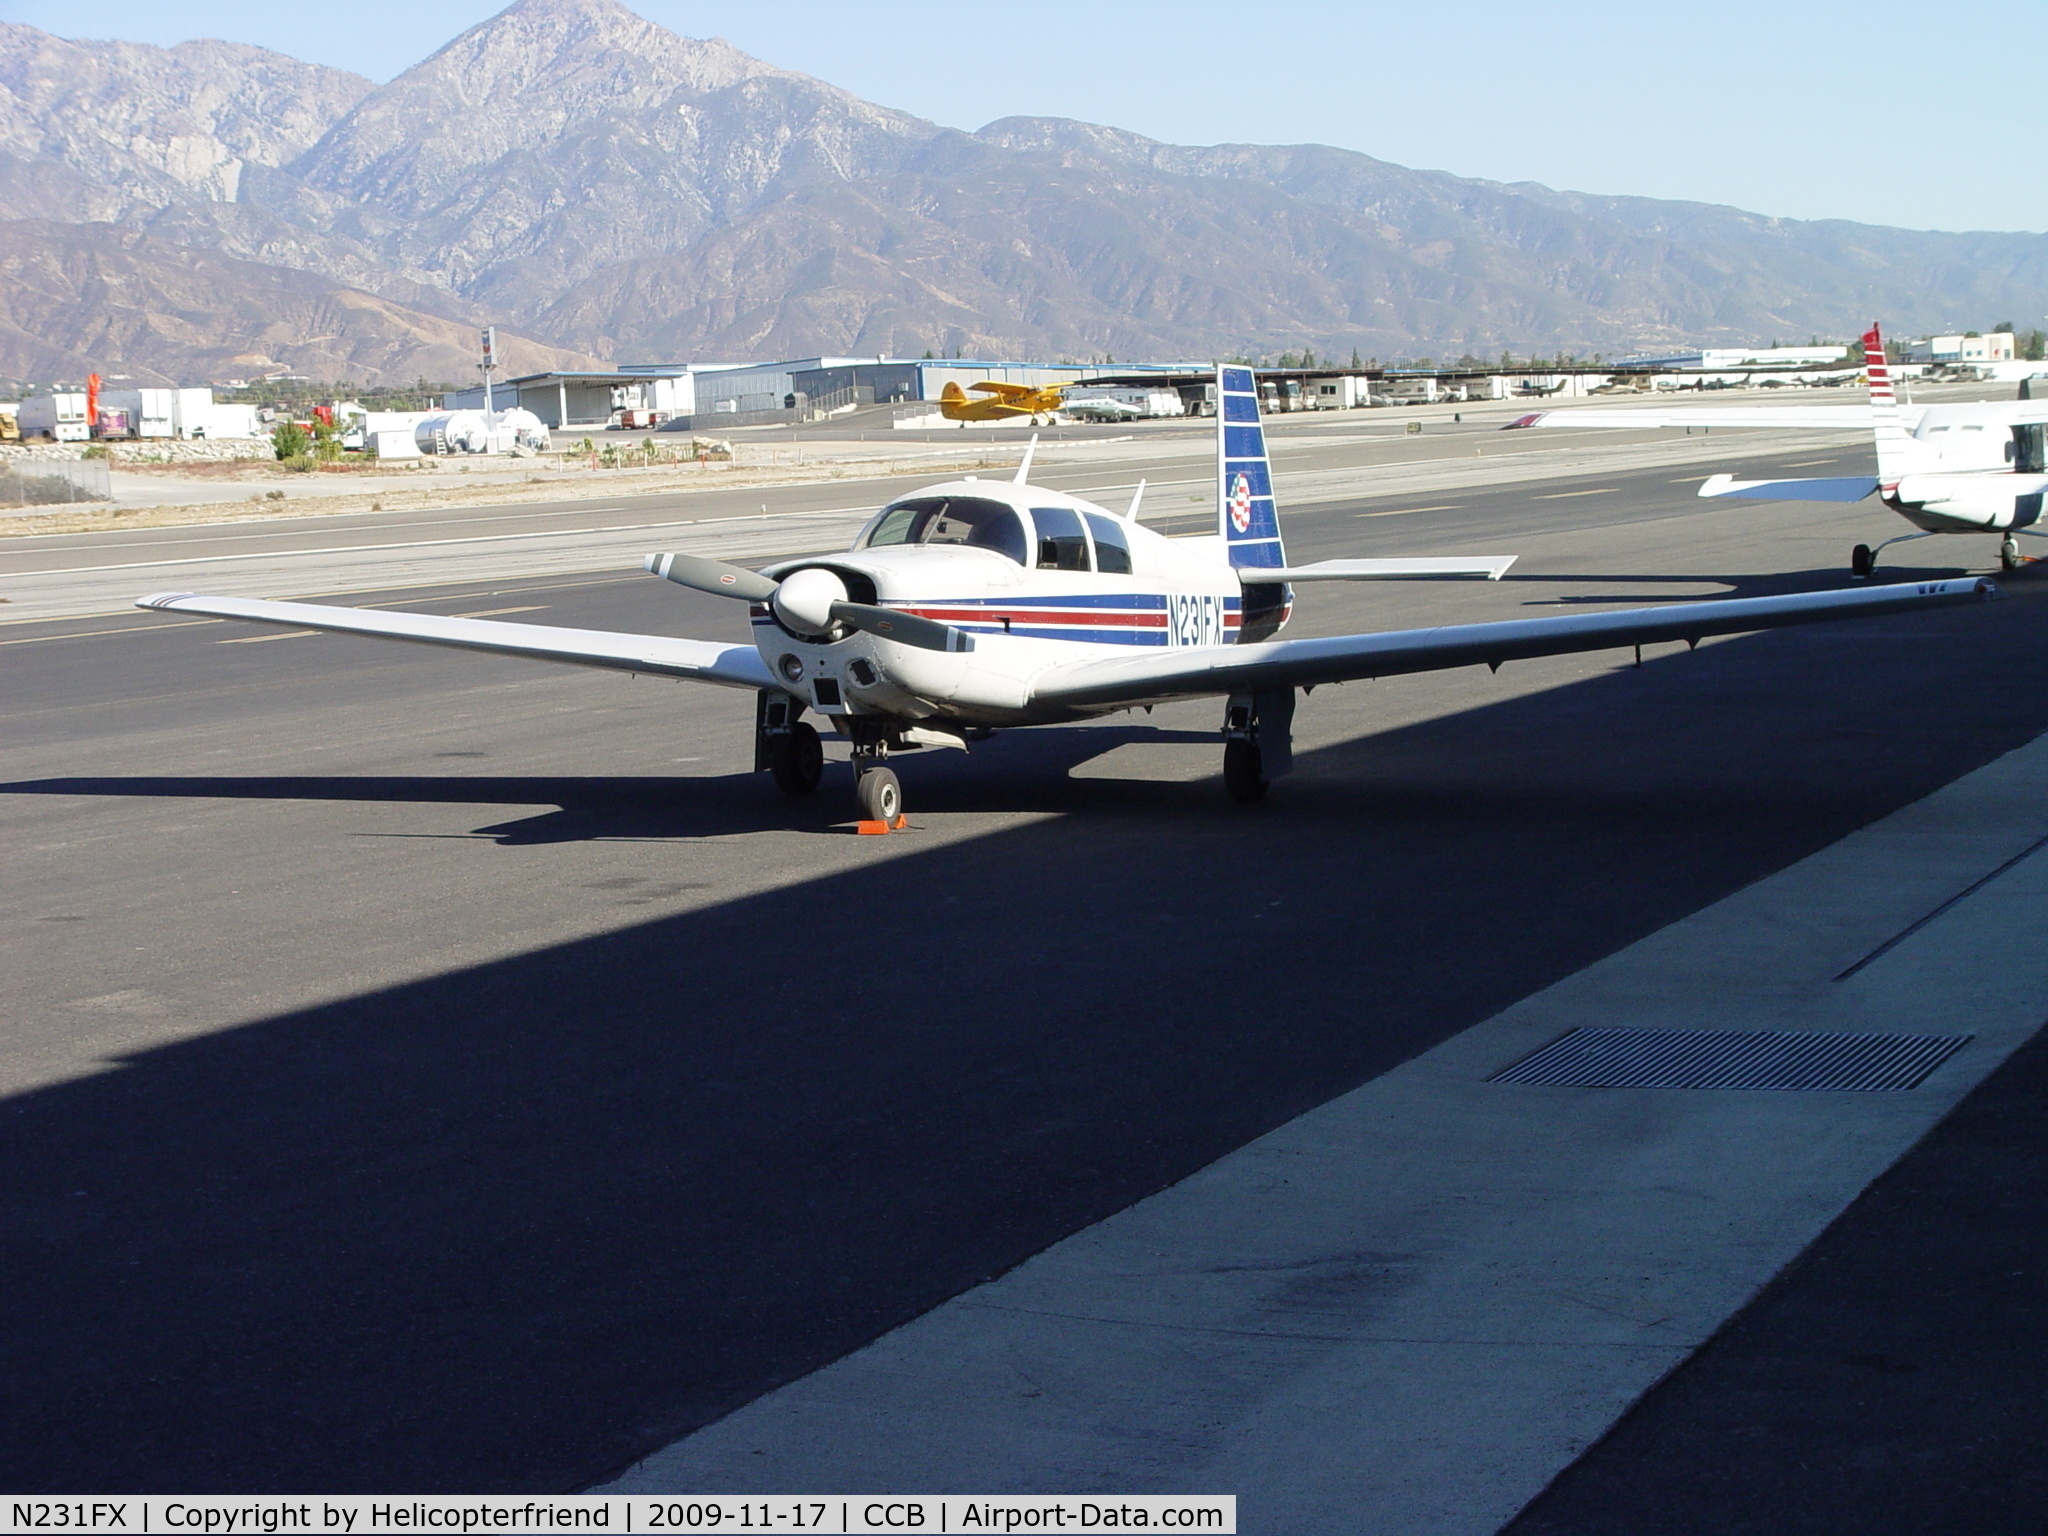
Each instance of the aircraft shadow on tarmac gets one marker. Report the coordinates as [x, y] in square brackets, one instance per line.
[513, 1226]
[589, 808]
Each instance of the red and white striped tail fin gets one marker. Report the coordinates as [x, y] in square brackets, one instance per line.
[1898, 451]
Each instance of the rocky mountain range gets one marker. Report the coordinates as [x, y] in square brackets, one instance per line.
[601, 188]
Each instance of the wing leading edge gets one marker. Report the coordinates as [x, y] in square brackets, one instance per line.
[702, 661]
[1234, 669]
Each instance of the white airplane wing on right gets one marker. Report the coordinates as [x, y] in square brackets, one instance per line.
[1205, 671]
[1809, 418]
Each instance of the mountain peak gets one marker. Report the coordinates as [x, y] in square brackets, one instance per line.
[574, 46]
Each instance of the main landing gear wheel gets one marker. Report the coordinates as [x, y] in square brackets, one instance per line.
[1861, 561]
[880, 796]
[796, 759]
[1244, 772]
[2009, 556]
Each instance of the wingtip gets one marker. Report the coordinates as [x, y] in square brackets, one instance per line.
[161, 599]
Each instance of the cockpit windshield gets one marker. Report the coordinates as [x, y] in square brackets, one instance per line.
[970, 520]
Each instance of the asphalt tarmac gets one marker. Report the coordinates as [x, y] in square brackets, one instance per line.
[443, 1073]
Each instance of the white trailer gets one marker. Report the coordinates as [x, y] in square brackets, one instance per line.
[59, 417]
[150, 412]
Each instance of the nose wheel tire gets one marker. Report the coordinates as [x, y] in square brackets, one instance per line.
[879, 795]
[1244, 772]
[796, 759]
[1861, 561]
[2009, 557]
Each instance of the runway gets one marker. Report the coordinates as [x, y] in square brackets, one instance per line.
[438, 1072]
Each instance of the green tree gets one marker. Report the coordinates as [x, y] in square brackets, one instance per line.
[1354, 359]
[288, 440]
[2031, 345]
[2004, 326]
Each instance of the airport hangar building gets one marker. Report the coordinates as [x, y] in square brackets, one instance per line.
[687, 396]
[706, 394]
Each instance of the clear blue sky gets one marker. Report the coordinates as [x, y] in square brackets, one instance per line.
[1924, 115]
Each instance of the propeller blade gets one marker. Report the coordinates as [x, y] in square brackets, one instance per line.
[903, 628]
[713, 576]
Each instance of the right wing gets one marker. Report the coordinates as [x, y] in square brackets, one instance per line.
[1199, 671]
[731, 666]
[1846, 418]
[1850, 488]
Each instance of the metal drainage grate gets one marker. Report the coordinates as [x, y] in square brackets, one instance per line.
[1795, 1060]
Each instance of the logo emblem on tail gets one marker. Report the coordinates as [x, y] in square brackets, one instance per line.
[1241, 503]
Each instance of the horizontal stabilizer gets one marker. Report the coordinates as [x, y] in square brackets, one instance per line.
[1807, 418]
[1849, 488]
[1492, 567]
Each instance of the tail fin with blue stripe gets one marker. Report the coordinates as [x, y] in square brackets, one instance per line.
[1245, 514]
[1247, 518]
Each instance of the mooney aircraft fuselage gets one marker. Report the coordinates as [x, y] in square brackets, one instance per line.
[1034, 578]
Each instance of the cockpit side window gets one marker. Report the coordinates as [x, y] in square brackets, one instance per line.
[1062, 543]
[971, 520]
[1112, 545]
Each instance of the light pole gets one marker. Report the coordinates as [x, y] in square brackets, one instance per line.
[490, 362]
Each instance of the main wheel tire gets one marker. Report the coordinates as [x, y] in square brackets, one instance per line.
[1244, 770]
[2009, 556]
[1861, 561]
[796, 758]
[880, 796]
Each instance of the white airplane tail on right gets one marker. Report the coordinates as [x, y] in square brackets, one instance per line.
[1899, 453]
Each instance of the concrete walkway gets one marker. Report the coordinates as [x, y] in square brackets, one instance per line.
[1408, 1310]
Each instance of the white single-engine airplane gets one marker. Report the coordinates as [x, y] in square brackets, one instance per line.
[1946, 477]
[982, 604]
[1975, 468]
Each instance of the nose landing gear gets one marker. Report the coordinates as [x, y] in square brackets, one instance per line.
[879, 795]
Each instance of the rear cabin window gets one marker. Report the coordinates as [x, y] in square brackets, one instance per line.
[1062, 545]
[1112, 545]
[971, 520]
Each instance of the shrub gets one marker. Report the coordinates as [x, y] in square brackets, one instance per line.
[98, 451]
[289, 440]
[300, 463]
[326, 442]
[273, 495]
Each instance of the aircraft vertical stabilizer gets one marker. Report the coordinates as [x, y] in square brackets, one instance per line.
[1246, 516]
[1898, 452]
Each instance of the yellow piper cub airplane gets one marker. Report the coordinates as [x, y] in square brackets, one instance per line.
[977, 604]
[1005, 401]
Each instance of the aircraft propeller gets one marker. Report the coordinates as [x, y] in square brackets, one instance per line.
[809, 600]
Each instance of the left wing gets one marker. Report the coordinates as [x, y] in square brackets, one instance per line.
[1850, 488]
[730, 666]
[1234, 669]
